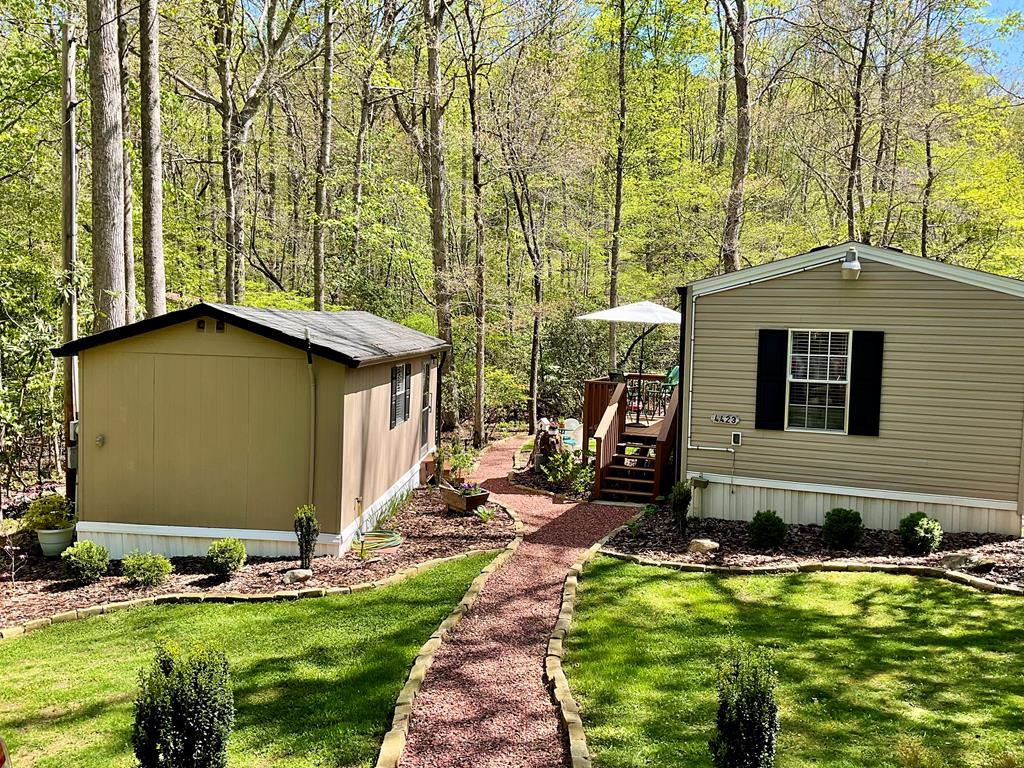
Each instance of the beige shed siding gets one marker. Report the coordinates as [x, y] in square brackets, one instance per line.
[952, 382]
[206, 429]
[376, 456]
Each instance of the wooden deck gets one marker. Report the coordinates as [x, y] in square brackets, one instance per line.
[644, 430]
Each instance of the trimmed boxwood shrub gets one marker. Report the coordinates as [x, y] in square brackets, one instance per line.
[86, 561]
[748, 715]
[185, 710]
[843, 528]
[146, 570]
[225, 556]
[679, 502]
[921, 534]
[307, 530]
[767, 530]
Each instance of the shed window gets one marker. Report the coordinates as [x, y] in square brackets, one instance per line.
[400, 381]
[818, 380]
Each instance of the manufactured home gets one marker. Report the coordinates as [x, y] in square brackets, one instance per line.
[855, 376]
[217, 421]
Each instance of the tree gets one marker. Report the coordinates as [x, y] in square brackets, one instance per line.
[323, 162]
[108, 254]
[152, 159]
[738, 24]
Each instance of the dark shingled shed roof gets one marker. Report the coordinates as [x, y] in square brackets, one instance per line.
[352, 338]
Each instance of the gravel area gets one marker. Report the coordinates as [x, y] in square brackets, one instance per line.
[484, 703]
[657, 538]
[41, 588]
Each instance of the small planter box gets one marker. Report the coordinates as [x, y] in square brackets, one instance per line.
[462, 503]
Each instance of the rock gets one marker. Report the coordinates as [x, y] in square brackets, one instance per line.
[702, 545]
[973, 562]
[298, 575]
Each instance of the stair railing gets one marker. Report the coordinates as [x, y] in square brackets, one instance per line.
[608, 434]
[665, 444]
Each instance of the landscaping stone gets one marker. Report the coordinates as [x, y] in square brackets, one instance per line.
[298, 575]
[702, 546]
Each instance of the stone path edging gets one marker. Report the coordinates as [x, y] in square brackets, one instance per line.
[394, 741]
[925, 571]
[400, 575]
[568, 709]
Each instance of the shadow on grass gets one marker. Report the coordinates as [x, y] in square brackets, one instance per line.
[864, 660]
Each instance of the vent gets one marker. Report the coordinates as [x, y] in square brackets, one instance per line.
[220, 326]
[201, 325]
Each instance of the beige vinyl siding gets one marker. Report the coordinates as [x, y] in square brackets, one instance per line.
[206, 429]
[952, 382]
[376, 456]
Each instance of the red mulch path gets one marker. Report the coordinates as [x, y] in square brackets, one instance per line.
[41, 588]
[484, 703]
[657, 538]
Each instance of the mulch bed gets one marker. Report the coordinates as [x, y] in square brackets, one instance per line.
[656, 537]
[531, 478]
[430, 531]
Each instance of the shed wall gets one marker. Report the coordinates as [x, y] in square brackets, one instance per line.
[952, 408]
[206, 429]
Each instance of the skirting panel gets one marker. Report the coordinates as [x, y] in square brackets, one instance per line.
[741, 502]
[183, 541]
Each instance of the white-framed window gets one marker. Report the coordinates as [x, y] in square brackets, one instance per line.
[818, 380]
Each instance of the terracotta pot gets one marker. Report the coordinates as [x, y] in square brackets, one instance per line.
[55, 541]
[462, 503]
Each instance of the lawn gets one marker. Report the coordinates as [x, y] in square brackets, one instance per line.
[875, 670]
[315, 680]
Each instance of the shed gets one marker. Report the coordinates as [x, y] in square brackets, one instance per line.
[855, 376]
[218, 420]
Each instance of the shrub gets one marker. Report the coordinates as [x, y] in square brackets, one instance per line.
[679, 502]
[146, 570]
[558, 468]
[767, 530]
[184, 710]
[86, 561]
[49, 513]
[843, 528]
[307, 529]
[748, 715]
[225, 556]
[921, 534]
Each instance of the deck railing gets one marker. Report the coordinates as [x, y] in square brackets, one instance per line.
[646, 399]
[608, 433]
[664, 448]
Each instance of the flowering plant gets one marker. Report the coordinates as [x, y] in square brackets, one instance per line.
[469, 489]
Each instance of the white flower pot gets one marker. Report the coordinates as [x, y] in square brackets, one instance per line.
[53, 542]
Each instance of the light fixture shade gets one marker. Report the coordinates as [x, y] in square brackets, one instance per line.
[851, 265]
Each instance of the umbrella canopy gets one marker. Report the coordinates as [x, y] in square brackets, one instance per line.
[644, 312]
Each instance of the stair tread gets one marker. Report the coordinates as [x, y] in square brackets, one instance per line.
[634, 480]
[630, 468]
[639, 456]
[623, 492]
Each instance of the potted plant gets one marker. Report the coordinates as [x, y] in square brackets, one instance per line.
[464, 497]
[53, 520]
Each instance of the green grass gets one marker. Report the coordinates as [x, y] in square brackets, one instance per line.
[315, 680]
[875, 670]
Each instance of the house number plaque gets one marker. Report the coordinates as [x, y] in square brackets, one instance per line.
[725, 418]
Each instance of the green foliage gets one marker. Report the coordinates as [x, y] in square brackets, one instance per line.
[921, 534]
[185, 709]
[843, 528]
[225, 556]
[48, 513]
[86, 561]
[307, 529]
[679, 503]
[767, 530]
[748, 715]
[146, 570]
[484, 512]
[566, 470]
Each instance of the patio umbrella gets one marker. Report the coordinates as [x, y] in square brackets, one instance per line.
[645, 313]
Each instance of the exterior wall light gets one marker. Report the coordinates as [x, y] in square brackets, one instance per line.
[851, 265]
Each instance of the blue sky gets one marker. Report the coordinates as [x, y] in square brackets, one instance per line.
[1011, 50]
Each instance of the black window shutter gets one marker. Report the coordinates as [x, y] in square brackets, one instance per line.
[865, 383]
[772, 356]
[408, 391]
[394, 397]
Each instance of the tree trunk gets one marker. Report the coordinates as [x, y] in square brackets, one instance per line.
[926, 195]
[107, 167]
[721, 102]
[738, 28]
[478, 260]
[620, 159]
[434, 16]
[130, 298]
[323, 160]
[152, 160]
[853, 169]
